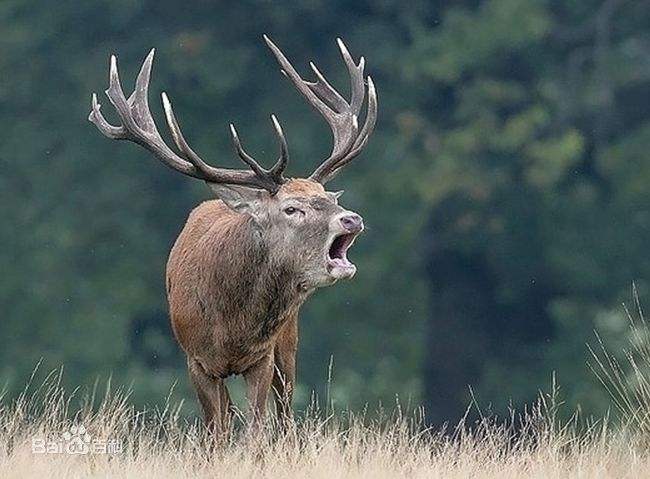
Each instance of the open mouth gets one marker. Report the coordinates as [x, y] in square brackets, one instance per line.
[338, 263]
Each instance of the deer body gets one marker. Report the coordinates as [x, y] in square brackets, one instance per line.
[234, 301]
[228, 297]
[218, 279]
[245, 263]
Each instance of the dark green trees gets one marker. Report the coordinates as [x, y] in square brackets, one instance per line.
[505, 189]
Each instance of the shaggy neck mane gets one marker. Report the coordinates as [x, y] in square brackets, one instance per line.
[249, 282]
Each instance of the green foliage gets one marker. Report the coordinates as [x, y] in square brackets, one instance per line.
[505, 188]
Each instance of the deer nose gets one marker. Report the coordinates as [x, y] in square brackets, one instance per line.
[352, 222]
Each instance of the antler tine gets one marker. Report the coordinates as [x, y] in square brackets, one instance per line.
[96, 117]
[297, 80]
[280, 165]
[245, 157]
[138, 126]
[326, 91]
[139, 99]
[130, 129]
[116, 96]
[353, 109]
[356, 78]
[179, 139]
[371, 116]
[364, 134]
[342, 119]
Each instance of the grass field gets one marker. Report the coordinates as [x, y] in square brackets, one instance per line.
[48, 433]
[38, 437]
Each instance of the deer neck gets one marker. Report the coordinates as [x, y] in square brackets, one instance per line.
[263, 289]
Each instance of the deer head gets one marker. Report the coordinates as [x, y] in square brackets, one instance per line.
[304, 223]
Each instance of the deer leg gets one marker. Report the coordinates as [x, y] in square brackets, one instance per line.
[258, 383]
[284, 373]
[214, 398]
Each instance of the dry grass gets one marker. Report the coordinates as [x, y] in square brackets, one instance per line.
[160, 444]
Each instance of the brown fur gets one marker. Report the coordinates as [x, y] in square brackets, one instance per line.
[234, 301]
[244, 264]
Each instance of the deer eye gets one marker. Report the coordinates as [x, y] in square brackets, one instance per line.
[290, 210]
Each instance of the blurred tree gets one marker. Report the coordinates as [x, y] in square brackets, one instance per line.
[88, 223]
[532, 236]
[505, 189]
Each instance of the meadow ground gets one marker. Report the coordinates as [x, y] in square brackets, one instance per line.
[43, 437]
[48, 433]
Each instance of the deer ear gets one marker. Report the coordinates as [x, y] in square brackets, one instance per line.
[239, 198]
[335, 195]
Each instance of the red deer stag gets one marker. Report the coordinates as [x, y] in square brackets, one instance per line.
[245, 262]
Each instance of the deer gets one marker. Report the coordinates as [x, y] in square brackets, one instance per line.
[246, 261]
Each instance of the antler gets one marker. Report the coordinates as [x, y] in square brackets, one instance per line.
[342, 116]
[138, 126]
